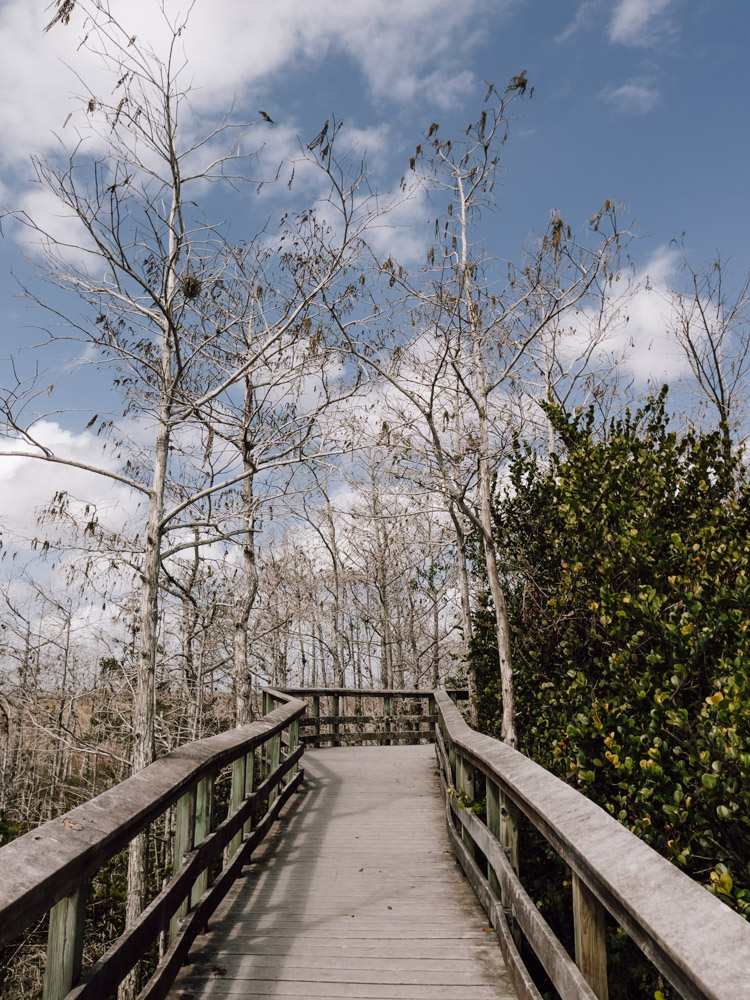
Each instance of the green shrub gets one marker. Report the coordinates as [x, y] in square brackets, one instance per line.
[628, 587]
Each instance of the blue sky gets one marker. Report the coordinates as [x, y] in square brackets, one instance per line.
[642, 101]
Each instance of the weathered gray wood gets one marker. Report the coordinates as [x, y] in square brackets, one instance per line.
[563, 972]
[509, 830]
[465, 784]
[523, 984]
[686, 932]
[105, 975]
[64, 945]
[159, 985]
[184, 833]
[359, 880]
[49, 863]
[590, 928]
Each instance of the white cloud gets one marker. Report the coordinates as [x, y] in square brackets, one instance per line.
[234, 49]
[633, 330]
[650, 352]
[582, 18]
[639, 22]
[28, 484]
[636, 97]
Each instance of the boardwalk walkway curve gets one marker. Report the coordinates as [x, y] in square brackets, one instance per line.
[287, 927]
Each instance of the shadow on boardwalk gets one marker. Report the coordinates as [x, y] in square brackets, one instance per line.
[356, 895]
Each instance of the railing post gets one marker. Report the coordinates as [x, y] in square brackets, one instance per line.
[509, 830]
[65, 945]
[249, 785]
[334, 712]
[267, 703]
[494, 825]
[590, 929]
[465, 784]
[316, 715]
[274, 758]
[184, 831]
[452, 759]
[386, 714]
[235, 801]
[204, 810]
[358, 711]
[293, 744]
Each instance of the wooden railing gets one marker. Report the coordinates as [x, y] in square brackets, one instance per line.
[698, 944]
[48, 869]
[341, 716]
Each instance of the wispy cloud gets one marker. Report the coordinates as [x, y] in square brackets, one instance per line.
[636, 97]
[582, 19]
[639, 22]
[236, 51]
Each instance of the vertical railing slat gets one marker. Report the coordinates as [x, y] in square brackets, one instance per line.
[274, 758]
[465, 784]
[65, 945]
[204, 810]
[293, 743]
[237, 795]
[249, 785]
[494, 825]
[316, 715]
[590, 929]
[334, 712]
[184, 832]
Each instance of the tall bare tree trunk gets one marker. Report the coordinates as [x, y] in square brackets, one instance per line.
[243, 692]
[508, 726]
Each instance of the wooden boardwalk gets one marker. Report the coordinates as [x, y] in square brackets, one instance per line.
[357, 896]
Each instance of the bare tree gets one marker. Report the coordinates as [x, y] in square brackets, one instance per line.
[710, 323]
[475, 321]
[148, 267]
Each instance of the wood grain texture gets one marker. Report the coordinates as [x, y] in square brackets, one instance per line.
[590, 928]
[64, 944]
[356, 895]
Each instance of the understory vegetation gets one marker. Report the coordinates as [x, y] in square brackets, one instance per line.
[626, 562]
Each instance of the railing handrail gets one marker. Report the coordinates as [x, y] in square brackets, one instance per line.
[47, 864]
[349, 692]
[698, 943]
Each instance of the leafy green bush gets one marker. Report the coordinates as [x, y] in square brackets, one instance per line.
[628, 585]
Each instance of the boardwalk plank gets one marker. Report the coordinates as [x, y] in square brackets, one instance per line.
[357, 896]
